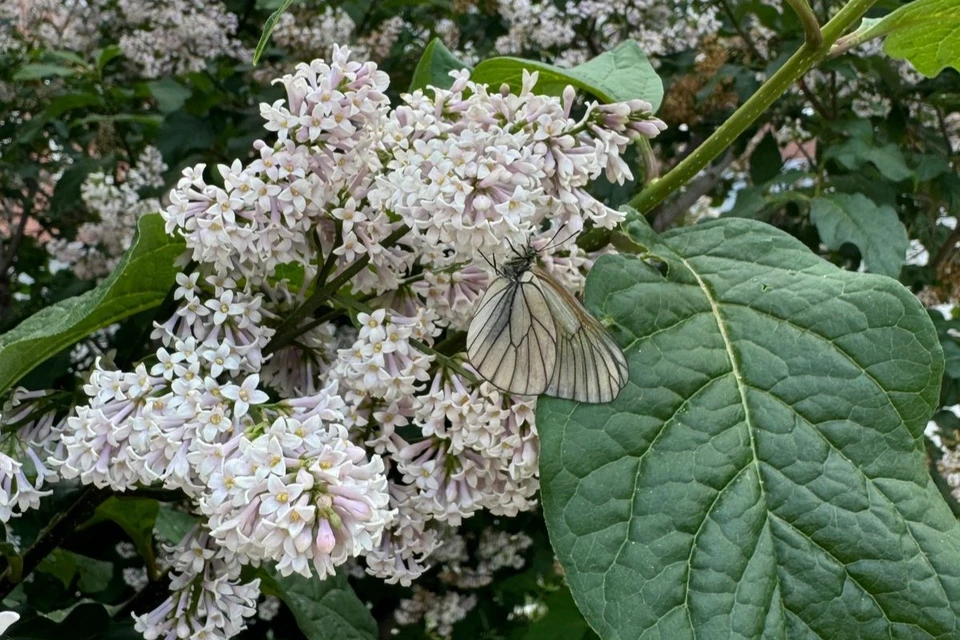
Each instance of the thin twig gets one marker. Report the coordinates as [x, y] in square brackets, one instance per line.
[698, 187]
[290, 329]
[946, 248]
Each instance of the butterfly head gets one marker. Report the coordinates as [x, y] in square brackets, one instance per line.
[519, 264]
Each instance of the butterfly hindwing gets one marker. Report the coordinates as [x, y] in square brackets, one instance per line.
[589, 367]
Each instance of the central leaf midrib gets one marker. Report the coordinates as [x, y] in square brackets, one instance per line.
[741, 389]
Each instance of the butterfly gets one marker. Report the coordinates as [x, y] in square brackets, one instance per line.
[530, 336]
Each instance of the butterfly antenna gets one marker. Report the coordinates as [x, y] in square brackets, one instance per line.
[493, 264]
[550, 244]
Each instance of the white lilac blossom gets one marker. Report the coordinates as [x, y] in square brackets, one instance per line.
[100, 244]
[438, 612]
[207, 599]
[172, 37]
[32, 424]
[354, 429]
[299, 494]
[486, 179]
[154, 37]
[7, 618]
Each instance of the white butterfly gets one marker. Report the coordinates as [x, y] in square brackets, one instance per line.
[530, 336]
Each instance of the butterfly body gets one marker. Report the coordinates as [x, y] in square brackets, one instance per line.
[530, 336]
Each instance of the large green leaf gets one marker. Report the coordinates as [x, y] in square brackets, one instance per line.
[762, 474]
[324, 609]
[925, 32]
[140, 282]
[623, 73]
[876, 231]
[169, 94]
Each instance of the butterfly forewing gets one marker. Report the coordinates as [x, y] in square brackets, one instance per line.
[589, 367]
[511, 340]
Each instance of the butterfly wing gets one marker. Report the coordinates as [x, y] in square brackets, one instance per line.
[589, 367]
[511, 339]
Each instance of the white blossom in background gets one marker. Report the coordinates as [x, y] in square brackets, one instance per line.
[157, 37]
[100, 244]
[438, 612]
[660, 27]
[135, 577]
[268, 608]
[173, 37]
[465, 571]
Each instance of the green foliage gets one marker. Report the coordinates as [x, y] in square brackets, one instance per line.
[268, 28]
[173, 525]
[623, 73]
[435, 66]
[136, 516]
[761, 475]
[38, 71]
[170, 94]
[925, 32]
[324, 609]
[140, 282]
[92, 575]
[856, 153]
[854, 218]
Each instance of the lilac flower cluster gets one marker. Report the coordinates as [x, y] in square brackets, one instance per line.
[354, 429]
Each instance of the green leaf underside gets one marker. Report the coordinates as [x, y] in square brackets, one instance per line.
[761, 475]
[924, 32]
[324, 609]
[139, 282]
[38, 71]
[876, 231]
[435, 66]
[623, 73]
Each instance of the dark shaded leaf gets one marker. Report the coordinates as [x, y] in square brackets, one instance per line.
[324, 609]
